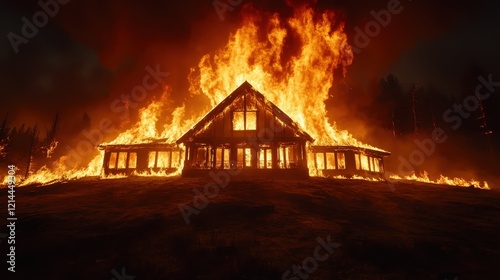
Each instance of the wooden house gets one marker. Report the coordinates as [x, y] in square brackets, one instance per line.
[246, 131]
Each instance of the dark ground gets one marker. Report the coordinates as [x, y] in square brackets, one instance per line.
[253, 230]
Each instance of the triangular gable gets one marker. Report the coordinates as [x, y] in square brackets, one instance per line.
[242, 89]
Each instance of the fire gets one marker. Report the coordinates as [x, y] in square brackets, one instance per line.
[59, 172]
[442, 180]
[146, 129]
[299, 83]
[293, 65]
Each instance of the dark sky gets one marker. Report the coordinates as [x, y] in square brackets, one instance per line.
[92, 51]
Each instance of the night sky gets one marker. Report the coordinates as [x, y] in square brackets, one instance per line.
[90, 52]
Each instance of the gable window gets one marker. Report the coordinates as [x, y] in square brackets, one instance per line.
[244, 120]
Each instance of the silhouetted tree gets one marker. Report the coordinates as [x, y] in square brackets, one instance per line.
[391, 96]
[50, 142]
[33, 140]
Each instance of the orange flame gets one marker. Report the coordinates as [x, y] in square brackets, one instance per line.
[442, 180]
[146, 129]
[299, 84]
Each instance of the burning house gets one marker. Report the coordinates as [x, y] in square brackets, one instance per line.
[247, 132]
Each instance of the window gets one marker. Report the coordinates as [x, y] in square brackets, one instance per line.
[251, 121]
[238, 120]
[364, 162]
[265, 158]
[244, 158]
[330, 161]
[341, 160]
[132, 160]
[218, 158]
[122, 160]
[244, 120]
[226, 158]
[376, 164]
[320, 160]
[380, 165]
[290, 157]
[358, 161]
[112, 160]
[152, 160]
[163, 160]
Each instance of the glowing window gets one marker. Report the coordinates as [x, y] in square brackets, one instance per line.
[122, 160]
[218, 158]
[341, 160]
[376, 165]
[265, 158]
[163, 160]
[269, 158]
[364, 163]
[281, 158]
[238, 120]
[244, 157]
[244, 120]
[251, 122]
[358, 161]
[240, 158]
[330, 161]
[320, 160]
[151, 159]
[132, 160]
[380, 165]
[226, 158]
[248, 157]
[112, 160]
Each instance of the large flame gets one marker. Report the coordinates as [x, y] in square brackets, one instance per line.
[297, 83]
[151, 127]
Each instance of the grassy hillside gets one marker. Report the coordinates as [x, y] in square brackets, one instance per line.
[254, 229]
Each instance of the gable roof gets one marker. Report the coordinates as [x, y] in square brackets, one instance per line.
[242, 89]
